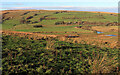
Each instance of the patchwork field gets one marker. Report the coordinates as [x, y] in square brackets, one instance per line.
[64, 23]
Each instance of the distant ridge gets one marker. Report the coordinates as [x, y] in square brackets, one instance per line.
[3, 11]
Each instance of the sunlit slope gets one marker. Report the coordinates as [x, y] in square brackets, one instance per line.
[13, 20]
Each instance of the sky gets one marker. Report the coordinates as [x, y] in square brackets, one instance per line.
[90, 5]
[59, 0]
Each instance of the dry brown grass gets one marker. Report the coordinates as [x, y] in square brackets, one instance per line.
[99, 40]
[106, 28]
[103, 64]
[50, 44]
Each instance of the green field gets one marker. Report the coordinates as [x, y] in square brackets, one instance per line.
[49, 25]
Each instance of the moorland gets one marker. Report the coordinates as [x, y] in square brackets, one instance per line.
[59, 41]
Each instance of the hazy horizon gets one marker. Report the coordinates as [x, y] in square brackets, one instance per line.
[75, 6]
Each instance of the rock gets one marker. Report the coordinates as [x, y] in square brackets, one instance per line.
[59, 22]
[37, 26]
[29, 17]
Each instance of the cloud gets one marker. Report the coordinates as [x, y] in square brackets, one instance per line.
[64, 7]
[67, 6]
[21, 7]
[10, 4]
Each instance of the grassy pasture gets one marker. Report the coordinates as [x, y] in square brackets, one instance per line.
[18, 15]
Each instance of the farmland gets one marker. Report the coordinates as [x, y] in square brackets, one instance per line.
[59, 42]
